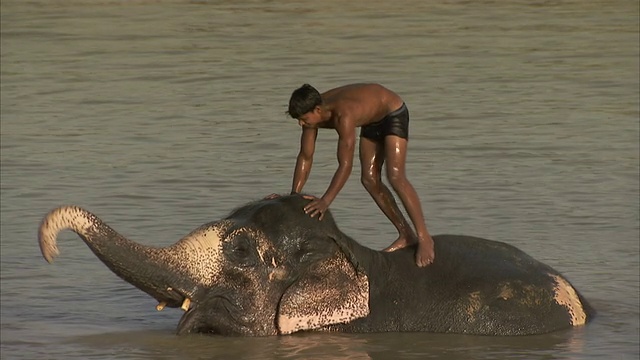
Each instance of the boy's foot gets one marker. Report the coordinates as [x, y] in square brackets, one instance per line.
[425, 254]
[401, 242]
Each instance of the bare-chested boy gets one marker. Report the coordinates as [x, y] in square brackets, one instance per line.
[384, 121]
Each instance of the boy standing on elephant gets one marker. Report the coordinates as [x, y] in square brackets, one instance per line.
[384, 121]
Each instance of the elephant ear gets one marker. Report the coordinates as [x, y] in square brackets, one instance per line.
[332, 291]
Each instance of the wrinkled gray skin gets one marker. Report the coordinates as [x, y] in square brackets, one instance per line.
[270, 269]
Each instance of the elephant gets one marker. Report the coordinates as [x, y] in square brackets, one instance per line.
[268, 269]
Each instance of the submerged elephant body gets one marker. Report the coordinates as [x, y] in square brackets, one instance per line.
[270, 269]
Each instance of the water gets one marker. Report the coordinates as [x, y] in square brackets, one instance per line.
[162, 115]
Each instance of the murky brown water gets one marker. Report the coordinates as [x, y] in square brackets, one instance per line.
[162, 115]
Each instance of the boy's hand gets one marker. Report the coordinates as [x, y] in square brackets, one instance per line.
[317, 206]
[272, 196]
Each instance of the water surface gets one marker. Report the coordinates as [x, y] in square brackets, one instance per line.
[159, 116]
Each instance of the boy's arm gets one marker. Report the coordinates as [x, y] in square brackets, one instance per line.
[346, 148]
[305, 158]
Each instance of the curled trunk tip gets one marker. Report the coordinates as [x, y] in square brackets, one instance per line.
[58, 219]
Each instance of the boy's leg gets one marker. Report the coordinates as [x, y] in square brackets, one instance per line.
[395, 156]
[371, 160]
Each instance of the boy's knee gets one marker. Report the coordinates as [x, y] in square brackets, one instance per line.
[396, 179]
[369, 182]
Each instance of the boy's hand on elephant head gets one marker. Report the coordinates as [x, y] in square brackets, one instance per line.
[317, 206]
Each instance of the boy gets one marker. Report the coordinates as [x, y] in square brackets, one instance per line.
[384, 121]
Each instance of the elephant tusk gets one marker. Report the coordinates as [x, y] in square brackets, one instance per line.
[161, 306]
[185, 304]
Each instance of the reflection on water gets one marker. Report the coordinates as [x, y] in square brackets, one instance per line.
[159, 116]
[160, 345]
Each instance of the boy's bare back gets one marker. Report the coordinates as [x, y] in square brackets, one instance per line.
[362, 104]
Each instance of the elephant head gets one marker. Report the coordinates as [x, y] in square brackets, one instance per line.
[265, 269]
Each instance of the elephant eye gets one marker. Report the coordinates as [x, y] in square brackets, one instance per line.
[239, 250]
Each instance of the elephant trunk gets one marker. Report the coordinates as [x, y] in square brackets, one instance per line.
[152, 270]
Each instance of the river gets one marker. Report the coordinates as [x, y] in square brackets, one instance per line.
[159, 116]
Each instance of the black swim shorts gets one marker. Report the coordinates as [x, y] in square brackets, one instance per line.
[395, 123]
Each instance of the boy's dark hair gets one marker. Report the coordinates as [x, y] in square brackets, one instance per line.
[303, 99]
